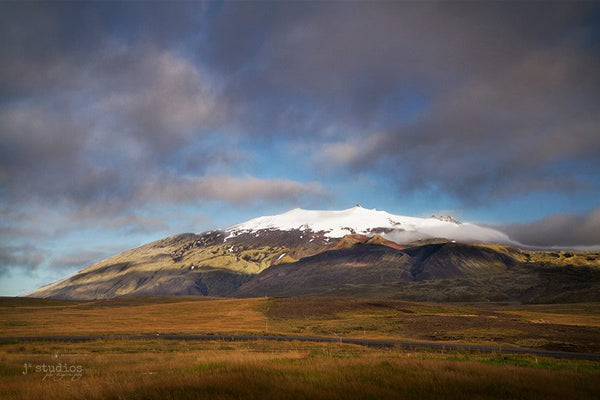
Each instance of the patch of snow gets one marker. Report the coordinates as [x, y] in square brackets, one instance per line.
[231, 235]
[336, 224]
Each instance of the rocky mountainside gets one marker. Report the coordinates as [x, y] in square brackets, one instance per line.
[349, 252]
[440, 271]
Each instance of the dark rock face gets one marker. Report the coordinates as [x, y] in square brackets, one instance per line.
[431, 272]
[450, 260]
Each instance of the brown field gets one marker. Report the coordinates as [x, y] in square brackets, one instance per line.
[158, 369]
[566, 327]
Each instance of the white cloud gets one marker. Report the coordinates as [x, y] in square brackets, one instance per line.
[234, 190]
[354, 150]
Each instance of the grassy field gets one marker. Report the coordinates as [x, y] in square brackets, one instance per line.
[566, 327]
[258, 370]
[162, 369]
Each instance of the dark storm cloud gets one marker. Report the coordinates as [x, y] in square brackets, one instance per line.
[559, 230]
[86, 89]
[525, 129]
[478, 100]
[46, 40]
[94, 119]
[42, 154]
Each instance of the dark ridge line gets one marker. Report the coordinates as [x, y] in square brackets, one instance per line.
[362, 342]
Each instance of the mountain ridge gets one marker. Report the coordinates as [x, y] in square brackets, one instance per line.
[300, 253]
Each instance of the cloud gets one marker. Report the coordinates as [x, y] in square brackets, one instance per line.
[239, 191]
[80, 259]
[507, 121]
[46, 46]
[25, 256]
[93, 97]
[133, 112]
[136, 224]
[559, 230]
[157, 96]
[352, 151]
[478, 101]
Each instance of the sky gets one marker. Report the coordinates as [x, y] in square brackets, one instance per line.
[126, 122]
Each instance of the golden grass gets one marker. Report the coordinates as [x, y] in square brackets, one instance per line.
[564, 314]
[489, 324]
[553, 327]
[118, 317]
[171, 369]
[267, 370]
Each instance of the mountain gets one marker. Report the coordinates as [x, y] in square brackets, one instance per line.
[356, 252]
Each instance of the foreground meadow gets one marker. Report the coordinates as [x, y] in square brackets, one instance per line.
[155, 368]
[160, 369]
[562, 327]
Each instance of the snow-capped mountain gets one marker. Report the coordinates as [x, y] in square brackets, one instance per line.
[354, 252]
[359, 220]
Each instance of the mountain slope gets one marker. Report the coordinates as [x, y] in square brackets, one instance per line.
[366, 267]
[204, 264]
[435, 272]
[448, 260]
[161, 267]
[308, 252]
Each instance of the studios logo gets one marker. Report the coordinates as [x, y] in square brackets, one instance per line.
[54, 372]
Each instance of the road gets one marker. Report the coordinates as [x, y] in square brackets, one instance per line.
[362, 342]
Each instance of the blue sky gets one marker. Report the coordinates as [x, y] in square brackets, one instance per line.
[125, 122]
